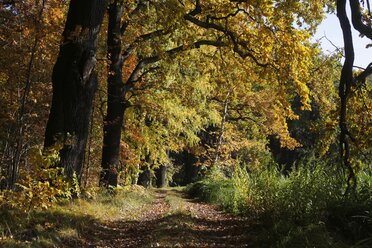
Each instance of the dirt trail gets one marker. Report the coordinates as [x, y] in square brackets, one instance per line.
[174, 221]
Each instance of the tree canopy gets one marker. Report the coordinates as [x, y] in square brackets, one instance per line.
[98, 93]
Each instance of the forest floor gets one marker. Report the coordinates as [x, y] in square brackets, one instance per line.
[173, 220]
[133, 218]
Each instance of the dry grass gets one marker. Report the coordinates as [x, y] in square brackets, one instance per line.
[69, 224]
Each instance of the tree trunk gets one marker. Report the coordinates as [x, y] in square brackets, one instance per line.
[346, 80]
[222, 130]
[160, 174]
[75, 83]
[115, 100]
[144, 177]
[191, 169]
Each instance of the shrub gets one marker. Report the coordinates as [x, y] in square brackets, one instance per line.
[39, 186]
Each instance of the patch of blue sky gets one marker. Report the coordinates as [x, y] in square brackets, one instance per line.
[330, 28]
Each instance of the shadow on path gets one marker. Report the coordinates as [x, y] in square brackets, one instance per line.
[174, 221]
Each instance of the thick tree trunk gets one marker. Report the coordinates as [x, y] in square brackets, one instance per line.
[160, 174]
[75, 83]
[115, 100]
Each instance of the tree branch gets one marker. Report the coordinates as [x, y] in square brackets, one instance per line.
[153, 59]
[143, 37]
[361, 78]
[138, 8]
[232, 36]
[356, 17]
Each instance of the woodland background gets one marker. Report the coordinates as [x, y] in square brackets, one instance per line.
[231, 98]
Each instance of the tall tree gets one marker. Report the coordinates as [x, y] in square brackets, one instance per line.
[115, 97]
[260, 32]
[348, 82]
[345, 87]
[75, 83]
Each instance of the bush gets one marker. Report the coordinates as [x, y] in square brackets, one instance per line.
[39, 186]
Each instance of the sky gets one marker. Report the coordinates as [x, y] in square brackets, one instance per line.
[330, 28]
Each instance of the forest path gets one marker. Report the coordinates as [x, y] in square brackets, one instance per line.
[173, 220]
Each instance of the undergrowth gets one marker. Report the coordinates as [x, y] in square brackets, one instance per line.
[70, 224]
[41, 185]
[307, 208]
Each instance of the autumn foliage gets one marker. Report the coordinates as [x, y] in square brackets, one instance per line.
[235, 93]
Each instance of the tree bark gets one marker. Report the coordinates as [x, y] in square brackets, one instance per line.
[74, 83]
[191, 169]
[160, 174]
[144, 177]
[116, 103]
[346, 80]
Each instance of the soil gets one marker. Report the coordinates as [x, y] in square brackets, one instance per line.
[173, 220]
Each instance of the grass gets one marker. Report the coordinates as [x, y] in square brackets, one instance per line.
[71, 223]
[305, 209]
[176, 203]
